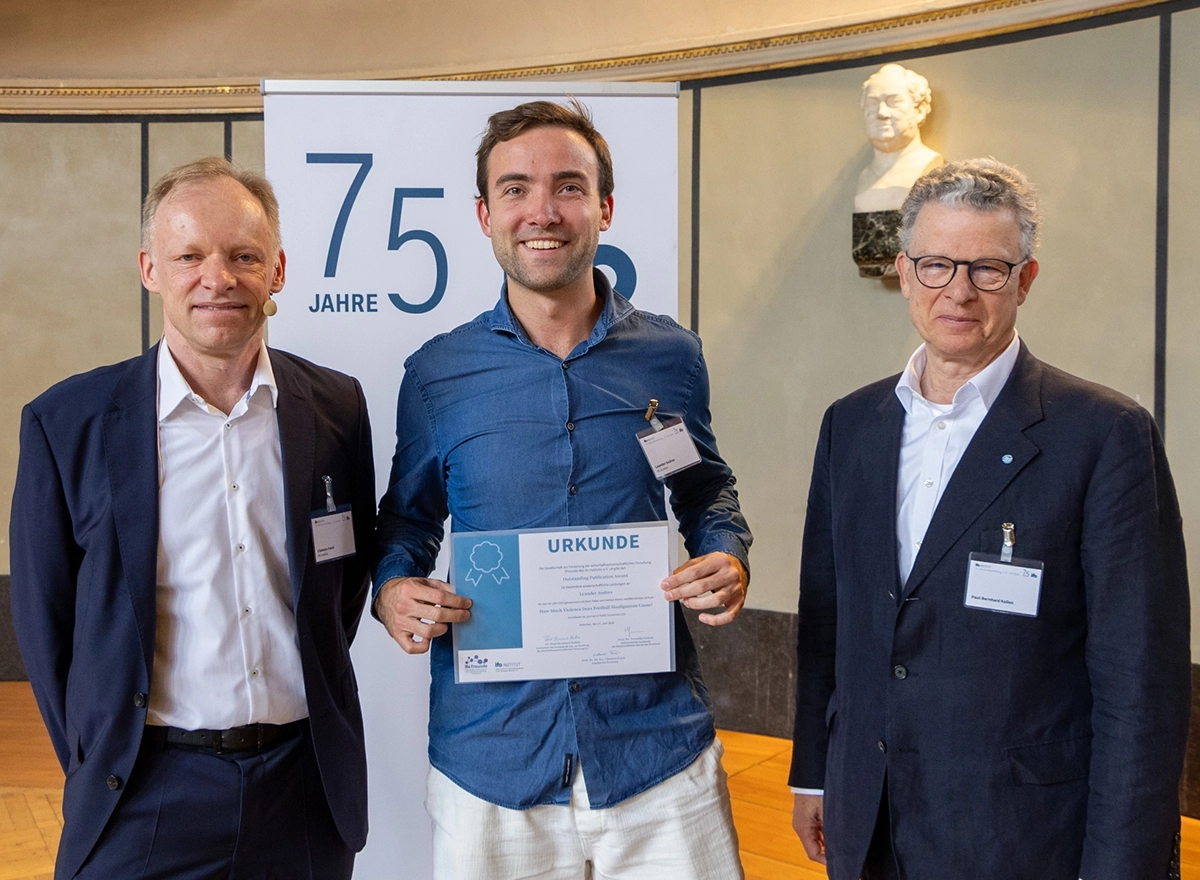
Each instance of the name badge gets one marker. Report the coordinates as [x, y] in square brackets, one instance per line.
[333, 534]
[669, 447]
[1010, 587]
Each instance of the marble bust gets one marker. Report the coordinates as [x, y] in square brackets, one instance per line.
[895, 101]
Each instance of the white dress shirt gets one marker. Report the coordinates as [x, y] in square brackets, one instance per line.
[935, 437]
[225, 648]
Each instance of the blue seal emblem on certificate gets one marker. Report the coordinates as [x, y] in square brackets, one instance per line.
[563, 603]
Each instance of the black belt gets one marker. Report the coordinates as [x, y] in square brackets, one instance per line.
[249, 738]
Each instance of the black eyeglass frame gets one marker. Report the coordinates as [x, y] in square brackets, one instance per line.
[969, 264]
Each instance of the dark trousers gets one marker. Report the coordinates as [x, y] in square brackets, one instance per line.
[881, 863]
[189, 814]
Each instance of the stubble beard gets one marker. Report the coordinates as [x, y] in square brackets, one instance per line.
[583, 254]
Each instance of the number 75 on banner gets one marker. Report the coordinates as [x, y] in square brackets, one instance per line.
[606, 255]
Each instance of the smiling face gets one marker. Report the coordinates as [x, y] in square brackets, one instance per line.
[962, 325]
[212, 261]
[891, 117]
[544, 213]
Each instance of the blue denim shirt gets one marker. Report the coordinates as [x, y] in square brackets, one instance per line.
[501, 434]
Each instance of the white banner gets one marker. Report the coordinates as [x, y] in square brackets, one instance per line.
[376, 183]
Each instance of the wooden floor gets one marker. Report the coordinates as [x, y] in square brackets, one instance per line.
[30, 788]
[31, 800]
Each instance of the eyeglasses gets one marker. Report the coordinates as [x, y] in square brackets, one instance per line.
[989, 274]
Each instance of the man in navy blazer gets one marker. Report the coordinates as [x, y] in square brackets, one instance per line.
[993, 625]
[188, 647]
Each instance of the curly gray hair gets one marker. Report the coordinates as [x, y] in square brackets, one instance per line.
[982, 184]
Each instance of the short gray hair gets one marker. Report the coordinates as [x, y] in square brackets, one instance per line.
[208, 169]
[982, 184]
[918, 88]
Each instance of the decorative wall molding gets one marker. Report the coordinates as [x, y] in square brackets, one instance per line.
[833, 41]
[842, 42]
[38, 97]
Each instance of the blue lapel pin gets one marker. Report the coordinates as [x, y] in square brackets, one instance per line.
[1007, 459]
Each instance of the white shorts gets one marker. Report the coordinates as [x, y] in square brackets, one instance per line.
[680, 829]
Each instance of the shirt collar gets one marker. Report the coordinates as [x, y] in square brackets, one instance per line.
[987, 383]
[615, 308]
[173, 388]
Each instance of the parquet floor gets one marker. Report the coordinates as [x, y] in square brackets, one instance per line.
[31, 800]
[30, 789]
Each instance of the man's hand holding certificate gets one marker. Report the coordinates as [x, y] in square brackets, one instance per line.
[563, 602]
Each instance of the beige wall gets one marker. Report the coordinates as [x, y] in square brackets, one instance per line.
[1183, 303]
[70, 294]
[788, 324]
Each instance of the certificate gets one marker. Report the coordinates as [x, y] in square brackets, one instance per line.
[563, 603]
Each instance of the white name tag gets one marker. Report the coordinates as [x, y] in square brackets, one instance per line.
[333, 534]
[669, 450]
[1008, 587]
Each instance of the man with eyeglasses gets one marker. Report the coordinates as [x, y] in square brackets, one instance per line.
[993, 636]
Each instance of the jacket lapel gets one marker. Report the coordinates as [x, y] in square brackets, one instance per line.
[983, 472]
[131, 448]
[881, 465]
[297, 434]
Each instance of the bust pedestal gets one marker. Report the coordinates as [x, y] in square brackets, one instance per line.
[876, 242]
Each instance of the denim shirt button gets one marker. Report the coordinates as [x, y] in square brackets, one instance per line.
[574, 688]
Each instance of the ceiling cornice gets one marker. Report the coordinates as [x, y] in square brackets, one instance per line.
[842, 42]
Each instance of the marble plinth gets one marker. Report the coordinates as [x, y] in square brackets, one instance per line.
[876, 242]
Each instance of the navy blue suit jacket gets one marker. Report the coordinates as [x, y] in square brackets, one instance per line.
[1013, 747]
[84, 535]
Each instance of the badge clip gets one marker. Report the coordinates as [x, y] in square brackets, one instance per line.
[332, 529]
[1010, 540]
[329, 505]
[666, 443]
[1002, 583]
[650, 414]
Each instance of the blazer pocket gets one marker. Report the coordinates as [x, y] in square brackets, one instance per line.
[1049, 763]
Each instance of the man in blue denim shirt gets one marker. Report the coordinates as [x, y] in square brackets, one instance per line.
[526, 418]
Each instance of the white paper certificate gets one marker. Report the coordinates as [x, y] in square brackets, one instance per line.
[563, 603]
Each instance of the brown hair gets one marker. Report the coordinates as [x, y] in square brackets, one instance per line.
[207, 169]
[508, 124]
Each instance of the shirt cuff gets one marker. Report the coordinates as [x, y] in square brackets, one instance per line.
[387, 571]
[818, 792]
[727, 544]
